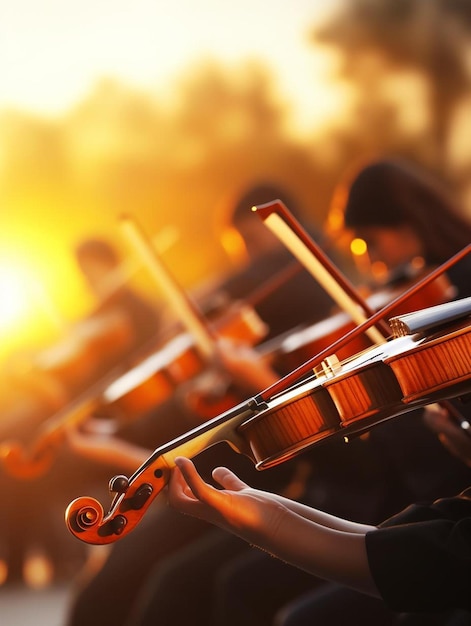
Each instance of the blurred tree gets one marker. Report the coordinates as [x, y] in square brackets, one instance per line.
[412, 54]
[33, 147]
[169, 160]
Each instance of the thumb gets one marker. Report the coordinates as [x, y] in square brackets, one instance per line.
[227, 479]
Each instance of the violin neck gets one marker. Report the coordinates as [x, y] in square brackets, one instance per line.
[219, 429]
[430, 318]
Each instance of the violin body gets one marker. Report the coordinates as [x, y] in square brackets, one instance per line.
[436, 365]
[153, 380]
[298, 419]
[365, 392]
[384, 382]
[403, 371]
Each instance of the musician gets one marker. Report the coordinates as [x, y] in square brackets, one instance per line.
[298, 300]
[121, 323]
[402, 214]
[405, 216]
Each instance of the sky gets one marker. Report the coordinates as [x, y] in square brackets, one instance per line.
[52, 52]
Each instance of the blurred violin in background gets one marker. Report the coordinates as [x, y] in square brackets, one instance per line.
[98, 374]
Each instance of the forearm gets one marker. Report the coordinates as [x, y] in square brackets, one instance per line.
[121, 454]
[274, 524]
[322, 518]
[330, 554]
[108, 450]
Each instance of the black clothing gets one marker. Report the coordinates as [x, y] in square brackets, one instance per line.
[420, 559]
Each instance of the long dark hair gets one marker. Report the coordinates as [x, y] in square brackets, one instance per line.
[392, 193]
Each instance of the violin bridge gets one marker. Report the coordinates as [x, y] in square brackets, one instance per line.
[328, 367]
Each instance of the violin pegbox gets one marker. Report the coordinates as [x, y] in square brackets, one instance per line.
[85, 516]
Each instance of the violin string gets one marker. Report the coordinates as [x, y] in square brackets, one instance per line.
[300, 371]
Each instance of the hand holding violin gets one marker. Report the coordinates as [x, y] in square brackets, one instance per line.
[322, 544]
[282, 421]
[237, 371]
[246, 367]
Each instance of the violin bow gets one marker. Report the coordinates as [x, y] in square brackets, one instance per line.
[185, 308]
[290, 232]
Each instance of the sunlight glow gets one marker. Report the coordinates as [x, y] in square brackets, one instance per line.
[12, 296]
[27, 313]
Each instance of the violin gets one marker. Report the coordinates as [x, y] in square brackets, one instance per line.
[377, 385]
[288, 417]
[27, 462]
[184, 357]
[179, 361]
[291, 349]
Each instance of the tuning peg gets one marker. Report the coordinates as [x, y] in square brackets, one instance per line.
[119, 484]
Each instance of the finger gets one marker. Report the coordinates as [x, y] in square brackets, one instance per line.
[227, 479]
[180, 496]
[200, 489]
[178, 486]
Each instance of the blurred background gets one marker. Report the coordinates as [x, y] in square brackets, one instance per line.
[165, 111]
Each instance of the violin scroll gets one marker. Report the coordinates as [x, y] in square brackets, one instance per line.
[85, 516]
